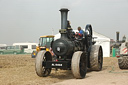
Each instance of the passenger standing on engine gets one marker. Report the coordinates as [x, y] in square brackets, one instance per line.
[80, 33]
[68, 25]
[71, 33]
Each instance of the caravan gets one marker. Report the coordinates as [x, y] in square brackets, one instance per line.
[28, 47]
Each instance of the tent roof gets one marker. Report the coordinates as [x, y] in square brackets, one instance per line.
[100, 36]
[96, 35]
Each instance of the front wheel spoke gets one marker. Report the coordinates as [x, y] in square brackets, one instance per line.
[48, 70]
[83, 70]
[82, 67]
[99, 61]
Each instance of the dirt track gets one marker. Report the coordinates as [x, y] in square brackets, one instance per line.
[20, 70]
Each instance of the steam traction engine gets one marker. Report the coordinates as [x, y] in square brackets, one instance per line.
[72, 54]
[121, 52]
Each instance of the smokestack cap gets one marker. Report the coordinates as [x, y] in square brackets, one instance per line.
[64, 9]
[117, 32]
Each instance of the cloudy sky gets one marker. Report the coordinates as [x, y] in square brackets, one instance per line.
[27, 20]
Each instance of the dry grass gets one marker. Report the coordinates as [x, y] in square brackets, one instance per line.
[20, 70]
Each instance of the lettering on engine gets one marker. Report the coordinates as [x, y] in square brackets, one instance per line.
[56, 64]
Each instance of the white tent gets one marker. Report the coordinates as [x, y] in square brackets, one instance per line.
[104, 42]
[100, 40]
[3, 45]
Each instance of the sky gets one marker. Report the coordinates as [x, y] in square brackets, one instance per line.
[27, 20]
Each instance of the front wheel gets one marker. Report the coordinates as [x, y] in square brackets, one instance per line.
[41, 70]
[79, 64]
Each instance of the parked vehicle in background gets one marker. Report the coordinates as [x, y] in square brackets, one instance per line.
[28, 47]
[44, 44]
[123, 56]
[121, 51]
[11, 50]
[3, 45]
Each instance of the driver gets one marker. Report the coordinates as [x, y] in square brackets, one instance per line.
[80, 33]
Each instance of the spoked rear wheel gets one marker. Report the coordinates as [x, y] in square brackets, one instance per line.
[41, 70]
[96, 58]
[79, 64]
